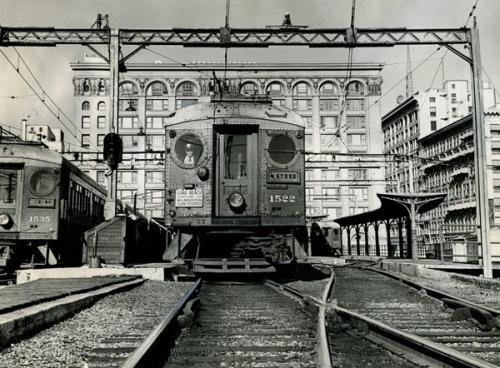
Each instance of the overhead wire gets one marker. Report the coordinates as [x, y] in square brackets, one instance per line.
[71, 131]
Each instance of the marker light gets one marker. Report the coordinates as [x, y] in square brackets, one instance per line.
[236, 201]
[4, 219]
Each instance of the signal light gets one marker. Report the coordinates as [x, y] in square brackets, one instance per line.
[113, 150]
[4, 219]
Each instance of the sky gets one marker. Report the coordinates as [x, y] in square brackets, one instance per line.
[50, 65]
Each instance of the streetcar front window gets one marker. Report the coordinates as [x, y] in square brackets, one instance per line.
[235, 156]
[8, 186]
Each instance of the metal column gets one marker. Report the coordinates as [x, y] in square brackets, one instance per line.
[480, 153]
[114, 57]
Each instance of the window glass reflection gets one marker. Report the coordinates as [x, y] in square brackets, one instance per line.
[235, 156]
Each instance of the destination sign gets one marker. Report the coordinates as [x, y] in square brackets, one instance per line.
[189, 198]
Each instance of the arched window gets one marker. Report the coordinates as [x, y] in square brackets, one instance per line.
[301, 89]
[275, 89]
[328, 89]
[85, 105]
[101, 106]
[249, 89]
[186, 89]
[157, 89]
[355, 89]
[128, 89]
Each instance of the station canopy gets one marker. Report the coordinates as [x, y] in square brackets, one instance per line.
[395, 205]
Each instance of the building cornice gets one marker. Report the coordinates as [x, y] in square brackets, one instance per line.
[401, 107]
[466, 120]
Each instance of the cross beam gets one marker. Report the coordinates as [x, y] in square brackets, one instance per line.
[237, 37]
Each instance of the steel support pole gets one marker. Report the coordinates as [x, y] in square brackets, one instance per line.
[480, 153]
[377, 240]
[367, 242]
[412, 236]
[114, 57]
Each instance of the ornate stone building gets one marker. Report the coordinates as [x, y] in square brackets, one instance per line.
[339, 182]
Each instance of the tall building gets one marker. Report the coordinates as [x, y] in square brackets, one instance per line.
[339, 182]
[432, 134]
[414, 118]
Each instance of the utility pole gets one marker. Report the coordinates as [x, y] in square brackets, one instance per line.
[114, 59]
[480, 152]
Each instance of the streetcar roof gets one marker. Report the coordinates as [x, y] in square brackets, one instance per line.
[235, 109]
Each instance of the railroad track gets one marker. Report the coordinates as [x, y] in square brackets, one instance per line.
[247, 325]
[393, 310]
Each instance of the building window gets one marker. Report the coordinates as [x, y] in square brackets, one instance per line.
[154, 122]
[275, 89]
[302, 105]
[329, 105]
[128, 122]
[100, 140]
[432, 112]
[249, 89]
[186, 89]
[130, 140]
[157, 89]
[332, 212]
[127, 89]
[85, 122]
[454, 112]
[85, 105]
[309, 194]
[156, 105]
[329, 175]
[85, 140]
[453, 97]
[355, 89]
[301, 89]
[309, 175]
[453, 85]
[329, 122]
[127, 177]
[155, 141]
[328, 89]
[154, 196]
[357, 174]
[154, 176]
[330, 194]
[358, 193]
[100, 177]
[101, 122]
[101, 106]
[355, 105]
[356, 122]
[356, 139]
[432, 99]
[127, 105]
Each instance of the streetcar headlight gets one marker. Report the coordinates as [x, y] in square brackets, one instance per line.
[236, 201]
[4, 219]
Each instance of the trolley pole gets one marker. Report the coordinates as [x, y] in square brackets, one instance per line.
[114, 58]
[480, 153]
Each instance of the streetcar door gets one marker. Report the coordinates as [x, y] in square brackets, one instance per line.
[236, 179]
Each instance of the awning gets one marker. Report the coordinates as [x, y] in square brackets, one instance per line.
[395, 205]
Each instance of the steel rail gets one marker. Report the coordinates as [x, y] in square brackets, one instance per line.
[440, 295]
[436, 351]
[154, 345]
[324, 354]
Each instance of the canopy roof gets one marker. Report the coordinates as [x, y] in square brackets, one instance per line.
[395, 205]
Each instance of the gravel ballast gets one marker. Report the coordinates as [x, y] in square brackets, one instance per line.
[73, 342]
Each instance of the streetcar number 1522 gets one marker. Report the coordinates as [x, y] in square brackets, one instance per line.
[282, 198]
